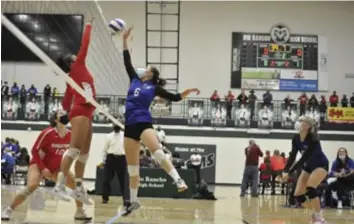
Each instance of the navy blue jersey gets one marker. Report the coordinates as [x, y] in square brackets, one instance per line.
[312, 155]
[141, 94]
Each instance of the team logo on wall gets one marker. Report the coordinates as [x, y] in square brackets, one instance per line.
[208, 153]
[280, 33]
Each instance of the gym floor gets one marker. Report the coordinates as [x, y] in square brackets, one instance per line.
[41, 208]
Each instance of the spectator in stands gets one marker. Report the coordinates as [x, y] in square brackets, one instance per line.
[15, 91]
[229, 98]
[215, 96]
[323, 107]
[267, 99]
[333, 99]
[242, 98]
[278, 166]
[284, 157]
[313, 102]
[55, 92]
[250, 173]
[352, 100]
[288, 101]
[4, 90]
[32, 110]
[10, 109]
[7, 166]
[343, 170]
[32, 92]
[23, 96]
[265, 170]
[24, 158]
[47, 93]
[267, 154]
[252, 99]
[7, 146]
[303, 102]
[265, 117]
[344, 101]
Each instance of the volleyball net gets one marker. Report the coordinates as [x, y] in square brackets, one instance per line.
[52, 28]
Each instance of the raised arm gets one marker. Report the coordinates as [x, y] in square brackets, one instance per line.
[68, 98]
[38, 145]
[126, 55]
[292, 157]
[174, 97]
[85, 42]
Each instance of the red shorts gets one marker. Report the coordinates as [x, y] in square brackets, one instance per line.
[52, 167]
[85, 110]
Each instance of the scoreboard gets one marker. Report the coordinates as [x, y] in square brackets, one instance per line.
[278, 60]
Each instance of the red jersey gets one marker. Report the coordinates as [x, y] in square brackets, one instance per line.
[81, 75]
[48, 150]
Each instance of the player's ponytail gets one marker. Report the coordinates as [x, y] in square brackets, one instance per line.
[156, 80]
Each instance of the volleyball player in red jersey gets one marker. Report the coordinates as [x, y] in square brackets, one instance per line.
[80, 115]
[47, 153]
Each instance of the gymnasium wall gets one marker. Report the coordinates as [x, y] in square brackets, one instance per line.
[230, 158]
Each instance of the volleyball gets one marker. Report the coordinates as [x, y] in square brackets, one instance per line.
[117, 25]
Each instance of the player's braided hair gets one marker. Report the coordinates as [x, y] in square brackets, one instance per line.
[156, 80]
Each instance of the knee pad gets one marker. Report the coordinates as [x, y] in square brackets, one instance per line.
[300, 198]
[83, 158]
[159, 156]
[72, 153]
[311, 193]
[133, 170]
[25, 192]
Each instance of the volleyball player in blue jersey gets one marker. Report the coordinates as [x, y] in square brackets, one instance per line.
[145, 85]
[314, 165]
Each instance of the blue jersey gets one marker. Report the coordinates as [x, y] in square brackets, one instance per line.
[312, 155]
[141, 94]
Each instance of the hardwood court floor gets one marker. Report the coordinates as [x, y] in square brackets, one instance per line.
[41, 208]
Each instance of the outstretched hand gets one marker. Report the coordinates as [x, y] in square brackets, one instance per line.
[195, 90]
[127, 32]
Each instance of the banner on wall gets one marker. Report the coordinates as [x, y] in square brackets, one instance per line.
[218, 114]
[208, 153]
[263, 84]
[298, 75]
[195, 112]
[298, 85]
[340, 114]
[161, 107]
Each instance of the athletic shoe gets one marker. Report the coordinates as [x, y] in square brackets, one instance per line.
[317, 220]
[181, 185]
[340, 205]
[80, 194]
[6, 214]
[131, 207]
[60, 193]
[81, 215]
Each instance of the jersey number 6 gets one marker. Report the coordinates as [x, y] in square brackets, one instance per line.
[136, 92]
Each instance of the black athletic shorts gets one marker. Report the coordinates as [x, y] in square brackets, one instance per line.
[134, 131]
[309, 169]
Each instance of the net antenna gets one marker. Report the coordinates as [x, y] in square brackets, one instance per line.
[46, 59]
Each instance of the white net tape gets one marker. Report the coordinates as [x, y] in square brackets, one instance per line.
[104, 58]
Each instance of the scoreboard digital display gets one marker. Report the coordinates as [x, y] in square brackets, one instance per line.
[274, 60]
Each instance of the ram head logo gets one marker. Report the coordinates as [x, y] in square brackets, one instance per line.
[280, 33]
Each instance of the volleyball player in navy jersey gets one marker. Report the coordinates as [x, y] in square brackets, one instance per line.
[314, 165]
[145, 85]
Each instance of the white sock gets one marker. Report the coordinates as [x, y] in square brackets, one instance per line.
[319, 214]
[61, 179]
[133, 195]
[174, 174]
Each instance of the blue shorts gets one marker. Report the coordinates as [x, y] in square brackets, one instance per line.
[310, 168]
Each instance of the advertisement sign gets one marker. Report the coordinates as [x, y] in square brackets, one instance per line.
[340, 114]
[160, 107]
[218, 114]
[298, 85]
[208, 153]
[260, 73]
[265, 84]
[299, 74]
[195, 112]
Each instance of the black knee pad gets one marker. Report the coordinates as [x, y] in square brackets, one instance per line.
[311, 193]
[300, 199]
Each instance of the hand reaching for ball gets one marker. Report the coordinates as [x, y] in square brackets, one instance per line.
[127, 33]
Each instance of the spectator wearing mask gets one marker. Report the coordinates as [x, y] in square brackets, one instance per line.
[32, 91]
[4, 91]
[344, 101]
[303, 102]
[252, 152]
[47, 92]
[114, 162]
[229, 98]
[242, 98]
[161, 135]
[323, 107]
[252, 99]
[352, 101]
[15, 91]
[333, 99]
[288, 101]
[343, 170]
[267, 99]
[215, 96]
[265, 170]
[278, 166]
[313, 102]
